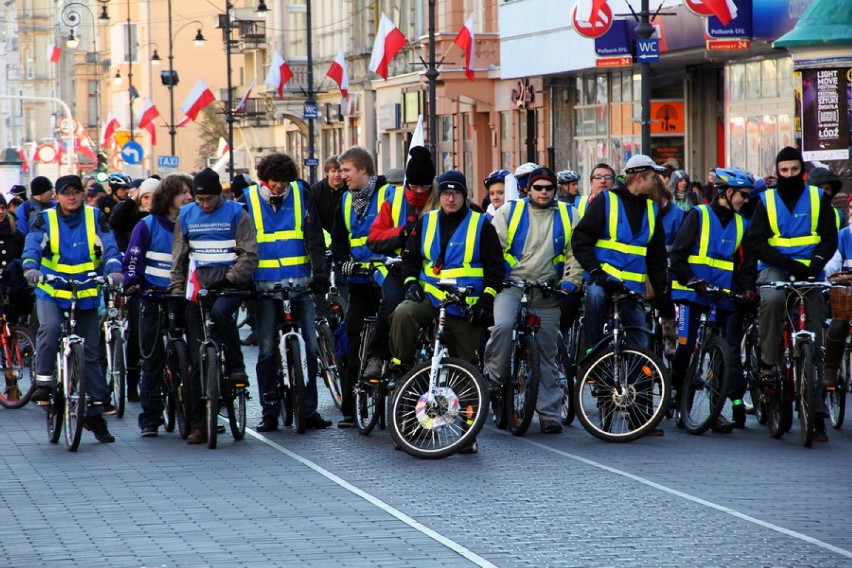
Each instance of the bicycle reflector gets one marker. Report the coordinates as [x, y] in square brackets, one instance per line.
[533, 322]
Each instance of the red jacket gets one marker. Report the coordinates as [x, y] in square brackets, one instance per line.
[385, 236]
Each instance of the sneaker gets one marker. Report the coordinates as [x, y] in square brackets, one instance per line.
[238, 379]
[250, 340]
[471, 448]
[42, 392]
[739, 412]
[98, 426]
[149, 432]
[373, 370]
[347, 422]
[722, 425]
[197, 436]
[317, 422]
[267, 424]
[550, 426]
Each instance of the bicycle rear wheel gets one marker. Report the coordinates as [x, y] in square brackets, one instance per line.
[524, 385]
[55, 411]
[750, 356]
[178, 366]
[211, 377]
[705, 386]
[297, 384]
[623, 411]
[19, 368]
[835, 400]
[779, 410]
[330, 365]
[369, 399]
[237, 413]
[434, 425]
[118, 372]
[805, 378]
[75, 397]
[566, 370]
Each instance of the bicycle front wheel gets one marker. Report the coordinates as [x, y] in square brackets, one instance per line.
[178, 368]
[211, 376]
[330, 366]
[297, 384]
[55, 410]
[805, 378]
[117, 372]
[435, 423]
[18, 368]
[237, 413]
[619, 399]
[369, 405]
[779, 410]
[566, 370]
[705, 386]
[75, 397]
[524, 385]
[835, 400]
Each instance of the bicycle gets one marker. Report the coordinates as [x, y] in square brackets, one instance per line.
[439, 406]
[800, 378]
[17, 363]
[290, 360]
[330, 365]
[705, 384]
[836, 398]
[217, 389]
[68, 401]
[750, 357]
[622, 390]
[569, 348]
[114, 327]
[174, 388]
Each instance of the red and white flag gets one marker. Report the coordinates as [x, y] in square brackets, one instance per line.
[389, 40]
[83, 145]
[242, 104]
[725, 10]
[146, 121]
[278, 75]
[54, 53]
[339, 74]
[198, 98]
[223, 147]
[467, 42]
[109, 129]
[192, 284]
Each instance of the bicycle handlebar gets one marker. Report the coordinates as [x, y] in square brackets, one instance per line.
[74, 284]
[280, 291]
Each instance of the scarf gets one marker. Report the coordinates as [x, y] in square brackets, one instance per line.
[361, 199]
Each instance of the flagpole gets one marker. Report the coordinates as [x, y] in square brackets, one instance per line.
[432, 78]
[310, 99]
[229, 111]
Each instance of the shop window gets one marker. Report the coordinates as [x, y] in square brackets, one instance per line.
[769, 78]
[752, 80]
[446, 128]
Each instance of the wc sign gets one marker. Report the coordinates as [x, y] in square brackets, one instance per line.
[648, 50]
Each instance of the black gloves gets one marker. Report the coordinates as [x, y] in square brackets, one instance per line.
[602, 279]
[481, 311]
[699, 286]
[749, 296]
[414, 292]
[663, 304]
[348, 268]
[320, 284]
[406, 230]
[220, 285]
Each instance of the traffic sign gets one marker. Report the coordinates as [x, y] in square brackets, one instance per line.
[311, 162]
[168, 162]
[310, 111]
[132, 153]
[122, 137]
[67, 125]
[592, 23]
[648, 50]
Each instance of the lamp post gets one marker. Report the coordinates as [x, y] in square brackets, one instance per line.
[645, 30]
[310, 100]
[171, 79]
[432, 78]
[71, 17]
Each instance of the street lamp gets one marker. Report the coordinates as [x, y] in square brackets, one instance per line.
[170, 78]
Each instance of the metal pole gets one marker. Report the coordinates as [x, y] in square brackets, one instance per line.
[645, 30]
[64, 105]
[229, 114]
[310, 99]
[172, 130]
[432, 77]
[72, 18]
[129, 69]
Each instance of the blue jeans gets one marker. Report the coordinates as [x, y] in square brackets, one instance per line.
[597, 313]
[50, 317]
[151, 336]
[268, 313]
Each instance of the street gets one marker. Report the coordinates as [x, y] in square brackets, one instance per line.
[335, 498]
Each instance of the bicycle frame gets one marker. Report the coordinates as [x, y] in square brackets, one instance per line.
[439, 350]
[289, 327]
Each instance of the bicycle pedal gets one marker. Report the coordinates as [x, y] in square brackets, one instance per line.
[40, 402]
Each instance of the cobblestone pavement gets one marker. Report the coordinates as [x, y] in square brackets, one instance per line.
[334, 498]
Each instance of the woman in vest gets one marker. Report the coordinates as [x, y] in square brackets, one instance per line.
[147, 266]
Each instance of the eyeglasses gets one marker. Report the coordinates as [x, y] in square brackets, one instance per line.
[743, 193]
[71, 191]
[420, 188]
[451, 193]
[599, 178]
[549, 187]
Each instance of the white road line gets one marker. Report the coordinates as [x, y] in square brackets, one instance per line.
[375, 501]
[698, 500]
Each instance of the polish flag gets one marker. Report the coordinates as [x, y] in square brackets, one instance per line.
[22, 154]
[725, 10]
[83, 145]
[389, 40]
[54, 53]
[146, 121]
[339, 74]
[198, 98]
[278, 75]
[242, 104]
[109, 129]
[192, 284]
[223, 147]
[466, 41]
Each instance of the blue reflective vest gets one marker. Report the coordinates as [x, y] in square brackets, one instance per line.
[672, 220]
[794, 232]
[844, 247]
[581, 204]
[461, 261]
[518, 226]
[359, 230]
[212, 236]
[712, 256]
[620, 252]
[281, 249]
[158, 256]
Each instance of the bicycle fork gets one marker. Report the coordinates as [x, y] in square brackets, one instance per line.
[285, 357]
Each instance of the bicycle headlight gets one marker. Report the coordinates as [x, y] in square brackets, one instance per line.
[112, 312]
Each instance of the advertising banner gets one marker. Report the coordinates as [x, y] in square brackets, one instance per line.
[822, 112]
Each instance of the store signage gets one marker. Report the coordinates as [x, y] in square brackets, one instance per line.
[699, 7]
[591, 18]
[822, 108]
[738, 27]
[728, 44]
[667, 117]
[626, 61]
[617, 40]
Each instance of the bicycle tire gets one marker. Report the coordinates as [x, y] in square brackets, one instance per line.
[368, 405]
[20, 368]
[566, 372]
[750, 356]
[779, 410]
[498, 404]
[297, 384]
[55, 411]
[181, 374]
[626, 415]
[430, 432]
[211, 378]
[118, 373]
[524, 385]
[836, 399]
[705, 386]
[168, 395]
[330, 364]
[237, 413]
[807, 392]
[75, 397]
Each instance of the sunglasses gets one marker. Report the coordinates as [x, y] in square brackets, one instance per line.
[549, 187]
[744, 194]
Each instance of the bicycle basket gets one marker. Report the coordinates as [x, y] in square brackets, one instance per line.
[840, 298]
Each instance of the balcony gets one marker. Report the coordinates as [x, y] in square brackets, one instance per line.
[246, 35]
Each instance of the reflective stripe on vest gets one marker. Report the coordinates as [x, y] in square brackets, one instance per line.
[518, 228]
[620, 252]
[62, 249]
[158, 256]
[778, 240]
[281, 252]
[358, 231]
[211, 236]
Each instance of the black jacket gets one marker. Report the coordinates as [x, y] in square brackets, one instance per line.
[326, 199]
[123, 219]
